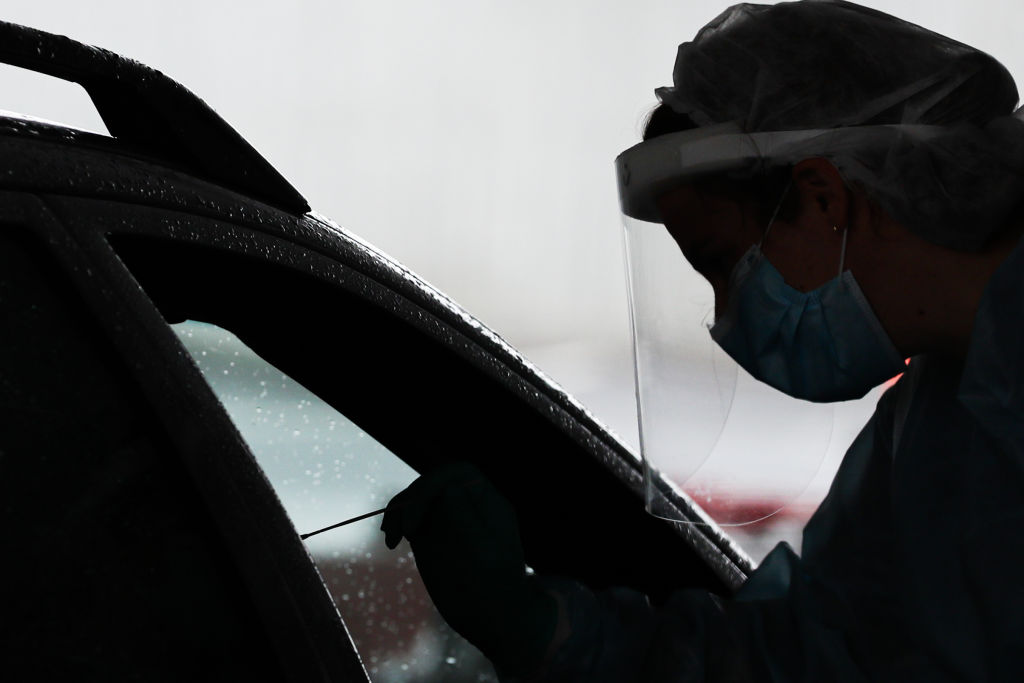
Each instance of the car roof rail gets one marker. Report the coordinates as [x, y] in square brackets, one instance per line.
[145, 108]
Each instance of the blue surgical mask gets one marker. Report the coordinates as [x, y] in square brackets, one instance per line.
[824, 345]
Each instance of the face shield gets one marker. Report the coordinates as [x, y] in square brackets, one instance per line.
[740, 449]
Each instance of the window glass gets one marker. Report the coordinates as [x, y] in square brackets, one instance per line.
[325, 470]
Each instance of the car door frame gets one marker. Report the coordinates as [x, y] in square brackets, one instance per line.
[310, 637]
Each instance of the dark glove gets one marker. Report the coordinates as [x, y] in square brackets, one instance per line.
[465, 538]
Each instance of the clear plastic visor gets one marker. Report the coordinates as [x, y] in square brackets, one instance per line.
[738, 448]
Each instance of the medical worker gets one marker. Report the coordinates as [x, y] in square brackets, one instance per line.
[851, 186]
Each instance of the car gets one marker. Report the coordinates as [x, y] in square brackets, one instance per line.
[197, 369]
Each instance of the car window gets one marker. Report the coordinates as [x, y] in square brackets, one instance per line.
[427, 386]
[325, 469]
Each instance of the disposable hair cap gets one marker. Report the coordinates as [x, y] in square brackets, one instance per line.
[820, 64]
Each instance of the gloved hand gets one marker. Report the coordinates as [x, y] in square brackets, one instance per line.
[465, 538]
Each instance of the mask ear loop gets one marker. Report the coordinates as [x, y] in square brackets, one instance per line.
[842, 253]
[775, 213]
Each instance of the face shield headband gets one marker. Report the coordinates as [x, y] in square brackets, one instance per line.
[653, 167]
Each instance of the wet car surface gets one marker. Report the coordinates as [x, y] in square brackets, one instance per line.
[152, 515]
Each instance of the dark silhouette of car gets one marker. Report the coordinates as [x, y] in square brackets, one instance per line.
[140, 539]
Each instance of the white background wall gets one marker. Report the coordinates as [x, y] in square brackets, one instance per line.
[471, 139]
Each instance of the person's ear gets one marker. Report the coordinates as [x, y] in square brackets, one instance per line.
[822, 196]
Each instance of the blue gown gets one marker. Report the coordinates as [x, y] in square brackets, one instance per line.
[910, 569]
